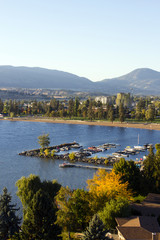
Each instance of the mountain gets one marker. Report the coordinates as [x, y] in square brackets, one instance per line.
[27, 77]
[140, 81]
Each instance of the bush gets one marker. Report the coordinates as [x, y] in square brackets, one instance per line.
[72, 156]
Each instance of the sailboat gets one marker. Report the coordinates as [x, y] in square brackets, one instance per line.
[138, 147]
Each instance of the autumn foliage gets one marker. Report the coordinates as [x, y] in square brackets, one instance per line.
[106, 186]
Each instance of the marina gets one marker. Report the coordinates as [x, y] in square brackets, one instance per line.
[22, 136]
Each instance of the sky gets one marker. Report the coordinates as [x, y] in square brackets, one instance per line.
[96, 39]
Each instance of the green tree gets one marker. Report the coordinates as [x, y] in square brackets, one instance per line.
[29, 186]
[90, 111]
[148, 169]
[121, 113]
[70, 107]
[114, 208]
[37, 198]
[9, 222]
[95, 230]
[44, 140]
[1, 106]
[72, 214]
[110, 114]
[150, 113]
[39, 222]
[129, 173]
[76, 106]
[100, 112]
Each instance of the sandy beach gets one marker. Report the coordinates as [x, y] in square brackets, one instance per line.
[151, 126]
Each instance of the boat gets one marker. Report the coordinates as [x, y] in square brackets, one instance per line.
[94, 149]
[64, 165]
[138, 147]
[76, 145]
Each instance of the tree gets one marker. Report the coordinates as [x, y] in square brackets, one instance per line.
[28, 186]
[95, 230]
[121, 113]
[70, 107]
[1, 106]
[72, 214]
[44, 140]
[129, 173]
[106, 186]
[150, 113]
[110, 114]
[114, 208]
[100, 112]
[148, 168]
[38, 200]
[90, 111]
[40, 219]
[9, 222]
[76, 106]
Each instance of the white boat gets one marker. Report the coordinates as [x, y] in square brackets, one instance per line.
[138, 147]
[129, 149]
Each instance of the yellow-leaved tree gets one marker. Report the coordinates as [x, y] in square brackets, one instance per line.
[106, 186]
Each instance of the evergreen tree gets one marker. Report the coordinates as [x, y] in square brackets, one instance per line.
[76, 106]
[9, 222]
[121, 113]
[130, 173]
[71, 108]
[149, 168]
[95, 230]
[110, 115]
[40, 219]
[90, 111]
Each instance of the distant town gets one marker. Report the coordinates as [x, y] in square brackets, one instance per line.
[78, 105]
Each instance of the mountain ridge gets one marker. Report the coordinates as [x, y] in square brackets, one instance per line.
[139, 81]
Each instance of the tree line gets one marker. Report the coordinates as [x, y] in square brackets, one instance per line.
[52, 211]
[143, 109]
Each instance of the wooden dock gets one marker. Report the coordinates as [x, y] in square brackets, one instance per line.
[91, 167]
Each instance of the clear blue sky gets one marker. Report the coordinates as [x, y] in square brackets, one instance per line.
[96, 39]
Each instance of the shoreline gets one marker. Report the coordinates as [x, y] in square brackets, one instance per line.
[150, 126]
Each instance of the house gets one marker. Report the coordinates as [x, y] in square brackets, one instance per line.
[138, 227]
[150, 206]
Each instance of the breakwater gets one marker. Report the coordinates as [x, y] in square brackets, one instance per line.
[79, 156]
[35, 152]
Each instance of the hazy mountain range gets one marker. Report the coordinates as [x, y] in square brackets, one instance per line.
[140, 81]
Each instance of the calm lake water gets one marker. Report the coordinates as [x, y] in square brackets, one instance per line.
[19, 136]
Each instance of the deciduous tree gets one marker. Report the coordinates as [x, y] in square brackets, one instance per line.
[72, 214]
[114, 208]
[106, 186]
[44, 140]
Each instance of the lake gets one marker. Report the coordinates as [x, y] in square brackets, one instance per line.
[18, 136]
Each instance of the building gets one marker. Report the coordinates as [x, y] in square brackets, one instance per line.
[138, 228]
[103, 99]
[149, 207]
[123, 98]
